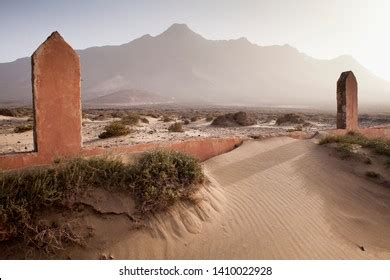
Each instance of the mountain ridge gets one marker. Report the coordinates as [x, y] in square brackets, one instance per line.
[181, 64]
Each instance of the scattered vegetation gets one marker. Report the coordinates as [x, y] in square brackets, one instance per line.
[166, 119]
[7, 112]
[99, 117]
[345, 150]
[131, 119]
[118, 114]
[380, 146]
[176, 127]
[23, 193]
[155, 181]
[237, 119]
[297, 128]
[16, 112]
[23, 128]
[194, 118]
[144, 120]
[186, 121]
[114, 129]
[209, 118]
[290, 119]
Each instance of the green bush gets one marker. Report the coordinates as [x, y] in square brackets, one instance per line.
[163, 177]
[176, 127]
[114, 129]
[23, 128]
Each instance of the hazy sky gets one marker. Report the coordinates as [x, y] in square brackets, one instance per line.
[320, 28]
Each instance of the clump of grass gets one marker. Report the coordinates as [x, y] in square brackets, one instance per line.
[289, 119]
[380, 146]
[194, 118]
[345, 150]
[166, 119]
[176, 127]
[23, 128]
[24, 193]
[162, 177]
[209, 118]
[118, 114]
[114, 129]
[144, 120]
[155, 181]
[131, 119]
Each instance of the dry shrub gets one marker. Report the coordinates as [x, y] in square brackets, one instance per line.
[290, 119]
[155, 181]
[380, 146]
[114, 129]
[23, 128]
[131, 119]
[176, 127]
[237, 119]
[162, 177]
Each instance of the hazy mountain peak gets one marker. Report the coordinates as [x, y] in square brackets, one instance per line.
[179, 30]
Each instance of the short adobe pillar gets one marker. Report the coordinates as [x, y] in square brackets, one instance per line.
[56, 98]
[347, 101]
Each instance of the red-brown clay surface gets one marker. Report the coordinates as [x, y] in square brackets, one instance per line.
[56, 95]
[202, 149]
[347, 101]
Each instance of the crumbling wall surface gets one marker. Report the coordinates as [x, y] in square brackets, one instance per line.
[347, 101]
[202, 149]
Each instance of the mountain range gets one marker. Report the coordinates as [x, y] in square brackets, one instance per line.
[182, 66]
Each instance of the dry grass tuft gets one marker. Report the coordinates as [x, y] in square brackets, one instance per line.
[155, 181]
[380, 146]
[114, 129]
[23, 128]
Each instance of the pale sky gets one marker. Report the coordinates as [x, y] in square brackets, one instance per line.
[320, 28]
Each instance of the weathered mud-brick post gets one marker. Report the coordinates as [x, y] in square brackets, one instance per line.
[347, 101]
[56, 98]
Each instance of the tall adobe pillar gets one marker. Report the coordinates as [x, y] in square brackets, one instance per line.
[56, 98]
[347, 101]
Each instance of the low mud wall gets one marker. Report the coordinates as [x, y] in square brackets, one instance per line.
[202, 149]
[371, 132]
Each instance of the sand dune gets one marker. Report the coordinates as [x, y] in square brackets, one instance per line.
[278, 198]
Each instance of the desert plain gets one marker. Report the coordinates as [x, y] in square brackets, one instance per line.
[279, 195]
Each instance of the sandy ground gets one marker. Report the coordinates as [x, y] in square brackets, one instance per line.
[277, 198]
